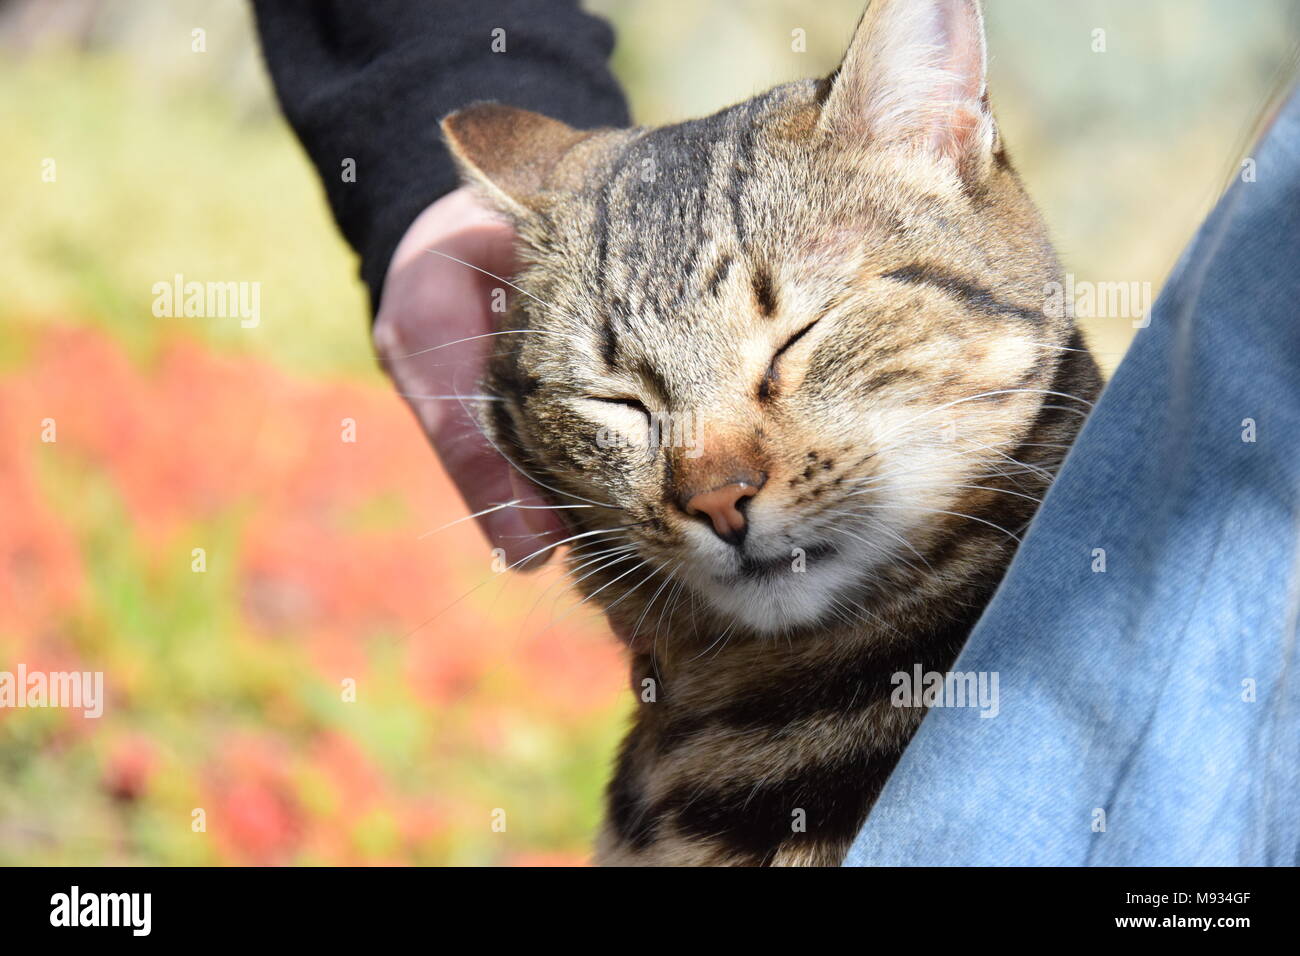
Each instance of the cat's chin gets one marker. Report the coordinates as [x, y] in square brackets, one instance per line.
[799, 594]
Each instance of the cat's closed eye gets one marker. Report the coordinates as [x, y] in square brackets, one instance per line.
[623, 416]
[773, 373]
[634, 404]
[793, 340]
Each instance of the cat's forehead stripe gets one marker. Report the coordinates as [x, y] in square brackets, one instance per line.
[675, 208]
[976, 296]
[719, 275]
[764, 292]
[608, 342]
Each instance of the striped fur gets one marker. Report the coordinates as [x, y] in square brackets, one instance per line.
[842, 284]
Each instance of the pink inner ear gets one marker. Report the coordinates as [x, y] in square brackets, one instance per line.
[956, 138]
[914, 73]
[961, 35]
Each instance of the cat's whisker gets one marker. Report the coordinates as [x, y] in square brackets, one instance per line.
[891, 480]
[504, 281]
[720, 638]
[636, 628]
[517, 503]
[535, 480]
[451, 398]
[1046, 476]
[1038, 391]
[477, 514]
[844, 611]
[1002, 491]
[574, 537]
[1066, 408]
[669, 603]
[870, 544]
[1061, 348]
[574, 549]
[836, 611]
[437, 614]
[460, 364]
[578, 552]
[884, 527]
[967, 453]
[571, 576]
[556, 622]
[634, 588]
[962, 454]
[862, 614]
[913, 443]
[901, 539]
[483, 335]
[989, 394]
[640, 564]
[670, 606]
[602, 558]
[940, 511]
[675, 597]
[917, 443]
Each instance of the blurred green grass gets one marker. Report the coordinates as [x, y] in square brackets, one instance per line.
[237, 710]
[175, 162]
[152, 182]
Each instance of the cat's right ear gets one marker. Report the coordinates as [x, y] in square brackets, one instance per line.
[914, 77]
[509, 153]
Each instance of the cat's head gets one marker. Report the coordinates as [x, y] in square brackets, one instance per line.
[773, 355]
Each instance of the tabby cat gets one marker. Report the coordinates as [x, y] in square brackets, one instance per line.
[838, 287]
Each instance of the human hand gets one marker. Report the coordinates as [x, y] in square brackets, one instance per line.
[430, 310]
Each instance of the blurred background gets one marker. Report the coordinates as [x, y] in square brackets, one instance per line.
[474, 692]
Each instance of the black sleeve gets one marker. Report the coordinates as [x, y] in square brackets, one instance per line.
[368, 80]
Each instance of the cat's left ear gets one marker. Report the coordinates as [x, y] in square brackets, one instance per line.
[914, 76]
[510, 153]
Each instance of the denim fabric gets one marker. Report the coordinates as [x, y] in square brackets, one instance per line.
[1127, 691]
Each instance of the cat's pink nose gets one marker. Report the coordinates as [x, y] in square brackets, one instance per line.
[722, 506]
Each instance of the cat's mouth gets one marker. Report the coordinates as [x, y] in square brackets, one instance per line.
[754, 568]
[778, 582]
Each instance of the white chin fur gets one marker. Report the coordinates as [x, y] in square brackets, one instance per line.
[784, 600]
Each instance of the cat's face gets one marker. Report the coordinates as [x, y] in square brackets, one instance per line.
[777, 352]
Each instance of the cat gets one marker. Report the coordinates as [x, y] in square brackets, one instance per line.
[837, 287]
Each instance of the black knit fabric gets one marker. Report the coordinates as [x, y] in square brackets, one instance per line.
[370, 79]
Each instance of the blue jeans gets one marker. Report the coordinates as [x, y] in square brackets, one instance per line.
[1149, 712]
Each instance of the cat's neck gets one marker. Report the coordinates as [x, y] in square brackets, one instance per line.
[762, 749]
[706, 659]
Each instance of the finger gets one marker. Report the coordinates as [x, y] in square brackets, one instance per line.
[485, 480]
[429, 303]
